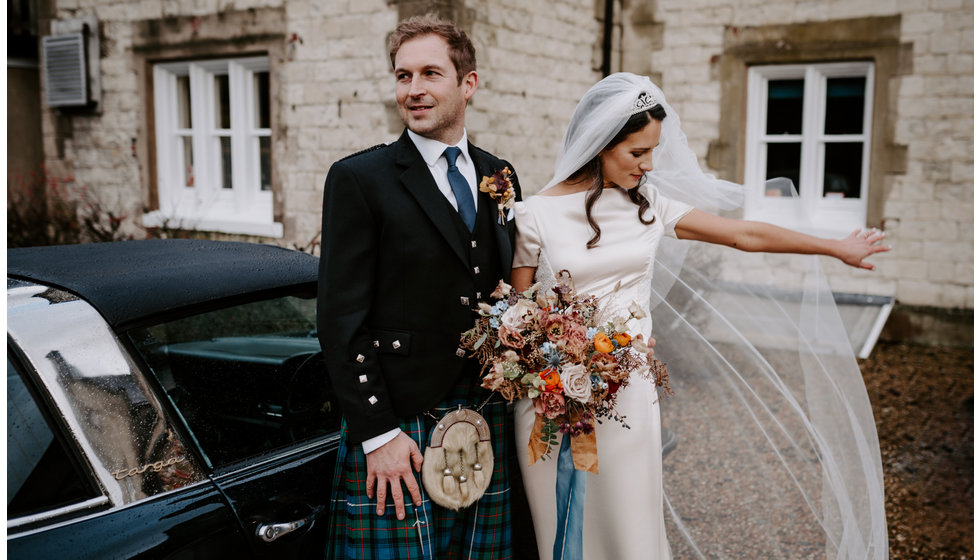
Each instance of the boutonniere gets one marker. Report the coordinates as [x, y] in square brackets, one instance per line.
[501, 190]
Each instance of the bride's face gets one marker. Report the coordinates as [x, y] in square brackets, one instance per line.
[625, 163]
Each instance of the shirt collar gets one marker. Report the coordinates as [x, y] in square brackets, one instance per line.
[431, 150]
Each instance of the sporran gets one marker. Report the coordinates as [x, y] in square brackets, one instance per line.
[458, 460]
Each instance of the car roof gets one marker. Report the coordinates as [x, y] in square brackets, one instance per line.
[131, 281]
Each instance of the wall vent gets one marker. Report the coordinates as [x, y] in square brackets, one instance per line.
[65, 72]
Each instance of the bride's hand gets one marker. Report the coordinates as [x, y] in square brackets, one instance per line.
[860, 245]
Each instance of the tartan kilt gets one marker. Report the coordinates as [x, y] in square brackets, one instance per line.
[480, 531]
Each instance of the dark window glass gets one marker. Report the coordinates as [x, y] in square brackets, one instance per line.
[784, 113]
[41, 474]
[247, 379]
[184, 102]
[222, 102]
[845, 106]
[265, 163]
[261, 81]
[842, 170]
[225, 142]
[783, 160]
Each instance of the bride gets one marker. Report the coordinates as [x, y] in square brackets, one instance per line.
[785, 444]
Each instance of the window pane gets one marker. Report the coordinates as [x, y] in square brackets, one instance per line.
[222, 105]
[247, 379]
[261, 92]
[41, 474]
[783, 160]
[785, 107]
[225, 162]
[265, 174]
[184, 102]
[845, 106]
[842, 170]
[187, 146]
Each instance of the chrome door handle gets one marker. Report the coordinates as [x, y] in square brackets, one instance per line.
[269, 532]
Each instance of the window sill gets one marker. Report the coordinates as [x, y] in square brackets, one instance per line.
[261, 229]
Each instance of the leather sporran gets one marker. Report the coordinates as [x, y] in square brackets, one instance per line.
[458, 460]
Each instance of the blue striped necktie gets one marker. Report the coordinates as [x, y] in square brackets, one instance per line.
[461, 189]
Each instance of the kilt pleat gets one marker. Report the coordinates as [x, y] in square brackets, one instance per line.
[481, 531]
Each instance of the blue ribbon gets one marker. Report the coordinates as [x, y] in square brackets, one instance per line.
[570, 494]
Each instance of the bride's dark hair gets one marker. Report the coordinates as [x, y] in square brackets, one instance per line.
[592, 171]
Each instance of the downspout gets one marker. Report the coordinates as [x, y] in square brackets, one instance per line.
[607, 33]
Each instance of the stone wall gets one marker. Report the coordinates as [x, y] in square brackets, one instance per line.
[333, 94]
[927, 211]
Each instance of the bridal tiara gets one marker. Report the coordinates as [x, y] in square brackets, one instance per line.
[644, 102]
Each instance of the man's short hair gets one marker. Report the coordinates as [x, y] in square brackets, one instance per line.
[461, 50]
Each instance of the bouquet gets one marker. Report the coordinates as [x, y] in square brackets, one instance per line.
[546, 345]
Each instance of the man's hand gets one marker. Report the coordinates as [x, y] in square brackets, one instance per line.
[391, 465]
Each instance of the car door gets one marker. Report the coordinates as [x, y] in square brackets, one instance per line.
[56, 508]
[249, 383]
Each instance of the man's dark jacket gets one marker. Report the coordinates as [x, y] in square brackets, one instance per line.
[397, 283]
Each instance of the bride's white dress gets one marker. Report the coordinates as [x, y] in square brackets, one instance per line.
[624, 503]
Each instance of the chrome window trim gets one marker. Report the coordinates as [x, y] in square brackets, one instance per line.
[246, 464]
[112, 509]
[57, 512]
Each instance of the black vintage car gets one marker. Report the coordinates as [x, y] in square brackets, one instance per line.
[166, 399]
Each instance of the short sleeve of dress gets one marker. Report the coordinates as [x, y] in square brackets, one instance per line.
[528, 243]
[668, 209]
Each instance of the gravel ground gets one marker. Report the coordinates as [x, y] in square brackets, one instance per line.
[922, 397]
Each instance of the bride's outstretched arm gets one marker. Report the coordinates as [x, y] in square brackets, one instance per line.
[762, 237]
[522, 277]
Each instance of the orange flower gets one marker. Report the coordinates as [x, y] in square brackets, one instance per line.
[552, 380]
[602, 342]
[622, 338]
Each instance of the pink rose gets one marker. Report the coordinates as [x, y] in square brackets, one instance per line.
[510, 337]
[576, 342]
[550, 405]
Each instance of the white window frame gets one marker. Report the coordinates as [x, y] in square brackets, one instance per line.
[812, 212]
[244, 208]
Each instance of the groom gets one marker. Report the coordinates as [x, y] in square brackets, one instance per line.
[409, 247]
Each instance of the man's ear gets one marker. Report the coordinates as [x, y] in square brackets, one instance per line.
[470, 82]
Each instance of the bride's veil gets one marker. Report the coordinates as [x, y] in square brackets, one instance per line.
[776, 451]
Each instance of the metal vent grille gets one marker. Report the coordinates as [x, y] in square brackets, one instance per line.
[64, 70]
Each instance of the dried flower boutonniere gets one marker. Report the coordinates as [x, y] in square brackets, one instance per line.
[501, 190]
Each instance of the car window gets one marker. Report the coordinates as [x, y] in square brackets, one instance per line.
[247, 379]
[41, 474]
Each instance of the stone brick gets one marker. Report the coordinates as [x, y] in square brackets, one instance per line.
[943, 42]
[918, 292]
[957, 211]
[947, 251]
[963, 272]
[956, 296]
[922, 22]
[942, 271]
